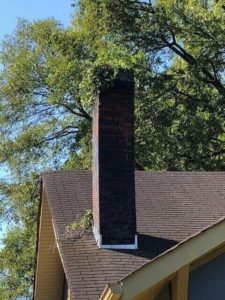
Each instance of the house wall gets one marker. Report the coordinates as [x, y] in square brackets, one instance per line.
[208, 281]
[49, 272]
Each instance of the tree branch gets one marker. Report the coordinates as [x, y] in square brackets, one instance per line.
[180, 51]
[59, 134]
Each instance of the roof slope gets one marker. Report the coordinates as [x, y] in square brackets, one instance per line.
[171, 206]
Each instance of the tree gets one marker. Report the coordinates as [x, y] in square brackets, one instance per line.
[180, 110]
[49, 79]
[51, 75]
[191, 30]
[20, 201]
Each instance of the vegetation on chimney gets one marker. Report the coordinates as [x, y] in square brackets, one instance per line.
[176, 49]
[81, 226]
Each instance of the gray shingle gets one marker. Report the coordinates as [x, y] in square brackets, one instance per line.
[170, 206]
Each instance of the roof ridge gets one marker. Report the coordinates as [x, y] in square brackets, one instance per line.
[63, 171]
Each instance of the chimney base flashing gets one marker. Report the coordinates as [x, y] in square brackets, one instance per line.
[98, 238]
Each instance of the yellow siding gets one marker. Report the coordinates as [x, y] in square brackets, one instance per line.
[49, 273]
[151, 293]
[180, 284]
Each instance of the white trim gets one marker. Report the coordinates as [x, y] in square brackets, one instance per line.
[98, 238]
[128, 246]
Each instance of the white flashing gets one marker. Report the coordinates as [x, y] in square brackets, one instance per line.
[98, 238]
[128, 246]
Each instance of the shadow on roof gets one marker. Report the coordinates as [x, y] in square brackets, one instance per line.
[149, 246]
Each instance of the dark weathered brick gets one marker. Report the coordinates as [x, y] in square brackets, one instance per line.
[113, 162]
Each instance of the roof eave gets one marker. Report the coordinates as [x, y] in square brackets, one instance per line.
[37, 236]
[112, 291]
[172, 260]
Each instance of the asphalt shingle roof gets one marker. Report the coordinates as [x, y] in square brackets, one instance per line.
[170, 206]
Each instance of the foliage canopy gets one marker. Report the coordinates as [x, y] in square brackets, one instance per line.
[51, 75]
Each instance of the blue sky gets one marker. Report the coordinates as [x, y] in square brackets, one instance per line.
[32, 9]
[11, 10]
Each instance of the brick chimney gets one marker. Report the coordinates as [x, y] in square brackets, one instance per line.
[114, 210]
